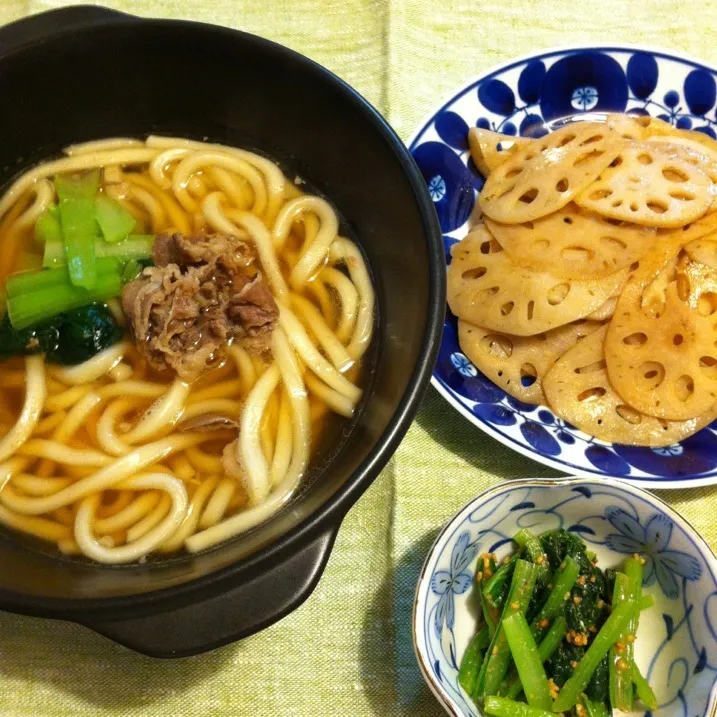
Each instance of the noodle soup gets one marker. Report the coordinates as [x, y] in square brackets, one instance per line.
[182, 326]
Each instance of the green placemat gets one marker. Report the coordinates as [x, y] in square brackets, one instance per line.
[347, 650]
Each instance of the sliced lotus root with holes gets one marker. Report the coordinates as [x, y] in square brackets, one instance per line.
[690, 151]
[574, 243]
[661, 348]
[544, 176]
[487, 289]
[490, 149]
[518, 363]
[579, 391]
[701, 227]
[655, 127]
[651, 187]
[626, 126]
[604, 312]
[703, 250]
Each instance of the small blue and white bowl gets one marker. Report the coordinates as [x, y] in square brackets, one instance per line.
[676, 647]
[529, 96]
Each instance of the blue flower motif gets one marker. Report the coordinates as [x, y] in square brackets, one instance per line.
[463, 365]
[674, 450]
[437, 188]
[583, 81]
[455, 581]
[449, 181]
[584, 98]
[652, 541]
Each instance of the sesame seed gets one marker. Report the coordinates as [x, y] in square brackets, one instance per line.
[506, 560]
[495, 651]
[566, 597]
[577, 599]
[581, 580]
[573, 664]
[631, 638]
[540, 560]
[515, 605]
[562, 566]
[592, 579]
[600, 604]
[544, 623]
[550, 586]
[622, 665]
[619, 647]
[479, 576]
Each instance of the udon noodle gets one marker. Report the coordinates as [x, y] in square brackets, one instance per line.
[114, 461]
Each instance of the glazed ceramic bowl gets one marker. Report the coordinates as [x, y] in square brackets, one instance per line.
[84, 73]
[529, 96]
[676, 647]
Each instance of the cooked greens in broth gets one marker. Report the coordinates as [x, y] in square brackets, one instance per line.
[180, 323]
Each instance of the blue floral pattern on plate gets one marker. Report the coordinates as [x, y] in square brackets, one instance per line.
[677, 640]
[528, 97]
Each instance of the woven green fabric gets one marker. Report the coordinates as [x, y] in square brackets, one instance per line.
[348, 649]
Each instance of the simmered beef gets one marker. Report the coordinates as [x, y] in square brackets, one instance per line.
[200, 296]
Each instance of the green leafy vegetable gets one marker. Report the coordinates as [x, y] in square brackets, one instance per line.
[552, 640]
[527, 661]
[646, 602]
[497, 660]
[136, 246]
[628, 586]
[496, 589]
[69, 338]
[608, 635]
[594, 709]
[47, 225]
[78, 223]
[115, 221]
[31, 281]
[132, 269]
[563, 582]
[33, 306]
[472, 659]
[644, 691]
[500, 707]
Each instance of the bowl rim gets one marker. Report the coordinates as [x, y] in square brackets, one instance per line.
[329, 515]
[654, 483]
[696, 538]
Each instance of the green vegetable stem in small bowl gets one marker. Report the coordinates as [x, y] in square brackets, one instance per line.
[554, 597]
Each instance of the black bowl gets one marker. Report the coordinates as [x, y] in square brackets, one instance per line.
[84, 73]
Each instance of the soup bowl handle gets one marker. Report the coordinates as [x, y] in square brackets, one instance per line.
[38, 27]
[231, 615]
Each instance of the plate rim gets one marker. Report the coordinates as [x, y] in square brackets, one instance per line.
[644, 482]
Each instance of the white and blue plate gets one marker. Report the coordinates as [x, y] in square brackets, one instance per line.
[527, 97]
[676, 647]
